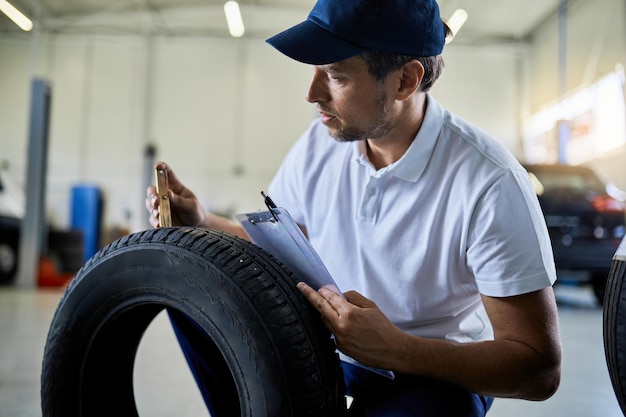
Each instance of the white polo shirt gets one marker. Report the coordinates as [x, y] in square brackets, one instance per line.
[456, 216]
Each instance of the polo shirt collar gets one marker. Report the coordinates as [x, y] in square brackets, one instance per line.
[412, 164]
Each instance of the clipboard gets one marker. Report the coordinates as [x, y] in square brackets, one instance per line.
[275, 231]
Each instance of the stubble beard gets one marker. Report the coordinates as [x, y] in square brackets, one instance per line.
[379, 127]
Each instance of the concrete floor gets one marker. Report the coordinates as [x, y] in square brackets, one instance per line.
[164, 386]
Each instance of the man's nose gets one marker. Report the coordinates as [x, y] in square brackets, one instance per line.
[318, 91]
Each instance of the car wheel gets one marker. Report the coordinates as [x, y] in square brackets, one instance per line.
[598, 284]
[8, 257]
[275, 356]
[614, 326]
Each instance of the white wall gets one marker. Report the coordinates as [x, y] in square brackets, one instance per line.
[481, 84]
[595, 45]
[209, 105]
[222, 112]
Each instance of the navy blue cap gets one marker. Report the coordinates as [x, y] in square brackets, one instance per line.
[339, 29]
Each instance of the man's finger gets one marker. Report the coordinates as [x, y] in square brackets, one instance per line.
[309, 293]
[320, 299]
[320, 304]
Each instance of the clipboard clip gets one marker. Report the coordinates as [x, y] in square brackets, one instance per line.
[270, 204]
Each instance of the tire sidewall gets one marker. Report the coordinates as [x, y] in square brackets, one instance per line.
[614, 326]
[145, 275]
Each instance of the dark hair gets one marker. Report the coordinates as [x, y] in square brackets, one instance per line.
[381, 64]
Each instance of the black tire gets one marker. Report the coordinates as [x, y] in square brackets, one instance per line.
[8, 255]
[614, 328]
[280, 359]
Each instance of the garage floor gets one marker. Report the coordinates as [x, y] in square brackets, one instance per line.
[164, 386]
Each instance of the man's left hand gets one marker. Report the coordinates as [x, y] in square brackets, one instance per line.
[361, 329]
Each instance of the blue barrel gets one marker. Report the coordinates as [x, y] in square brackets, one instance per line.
[87, 216]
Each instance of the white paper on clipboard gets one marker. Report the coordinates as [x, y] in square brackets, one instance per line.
[279, 234]
[275, 231]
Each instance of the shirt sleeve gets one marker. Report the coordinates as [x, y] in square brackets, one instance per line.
[509, 250]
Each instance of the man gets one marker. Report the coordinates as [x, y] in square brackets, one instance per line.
[431, 225]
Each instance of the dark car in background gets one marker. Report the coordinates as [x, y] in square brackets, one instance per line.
[11, 212]
[63, 248]
[585, 217]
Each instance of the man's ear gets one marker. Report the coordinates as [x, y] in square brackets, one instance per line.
[411, 75]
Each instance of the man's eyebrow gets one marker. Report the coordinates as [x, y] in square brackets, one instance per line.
[329, 68]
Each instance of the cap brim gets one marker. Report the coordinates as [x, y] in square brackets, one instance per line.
[311, 44]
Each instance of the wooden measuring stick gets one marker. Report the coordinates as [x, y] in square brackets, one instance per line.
[165, 215]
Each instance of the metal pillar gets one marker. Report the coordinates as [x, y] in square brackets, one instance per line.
[149, 159]
[33, 225]
[146, 110]
[563, 128]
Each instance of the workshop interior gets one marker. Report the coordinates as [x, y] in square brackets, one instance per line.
[93, 94]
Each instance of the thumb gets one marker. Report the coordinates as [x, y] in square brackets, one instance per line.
[182, 203]
[175, 199]
[358, 299]
[172, 179]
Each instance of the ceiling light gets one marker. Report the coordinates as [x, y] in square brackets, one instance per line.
[233, 18]
[455, 22]
[16, 16]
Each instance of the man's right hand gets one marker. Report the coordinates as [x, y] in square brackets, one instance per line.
[186, 209]
[184, 205]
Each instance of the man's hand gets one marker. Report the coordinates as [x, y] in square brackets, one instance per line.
[185, 207]
[523, 361]
[361, 329]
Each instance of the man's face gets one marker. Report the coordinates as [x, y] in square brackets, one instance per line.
[353, 105]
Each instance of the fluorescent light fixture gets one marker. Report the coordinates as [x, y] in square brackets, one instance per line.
[16, 16]
[455, 22]
[233, 18]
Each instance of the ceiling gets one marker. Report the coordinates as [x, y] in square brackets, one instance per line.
[489, 21]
